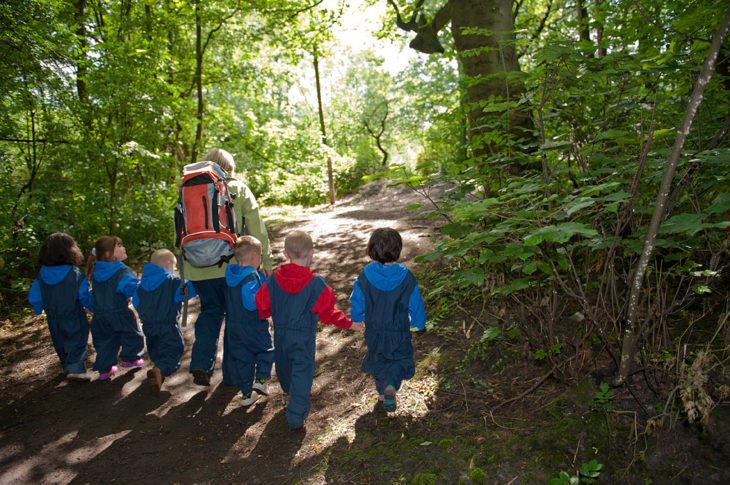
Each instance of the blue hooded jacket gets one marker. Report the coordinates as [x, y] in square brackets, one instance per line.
[235, 274]
[153, 276]
[387, 277]
[53, 275]
[104, 270]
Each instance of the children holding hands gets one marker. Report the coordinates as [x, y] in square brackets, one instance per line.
[386, 297]
[114, 325]
[158, 300]
[248, 353]
[296, 298]
[62, 291]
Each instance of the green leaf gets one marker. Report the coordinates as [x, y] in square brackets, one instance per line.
[455, 230]
[516, 285]
[474, 210]
[472, 277]
[559, 234]
[491, 333]
[578, 204]
[683, 224]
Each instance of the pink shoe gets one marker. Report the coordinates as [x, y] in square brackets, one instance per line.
[106, 375]
[134, 363]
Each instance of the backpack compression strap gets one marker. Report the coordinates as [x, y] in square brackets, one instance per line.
[184, 289]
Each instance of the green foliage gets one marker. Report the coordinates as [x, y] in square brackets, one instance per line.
[603, 396]
[424, 479]
[478, 475]
[588, 473]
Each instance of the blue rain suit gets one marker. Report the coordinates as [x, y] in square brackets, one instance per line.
[158, 300]
[387, 299]
[248, 352]
[295, 338]
[63, 292]
[114, 325]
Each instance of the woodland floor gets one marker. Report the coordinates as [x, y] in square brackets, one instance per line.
[444, 430]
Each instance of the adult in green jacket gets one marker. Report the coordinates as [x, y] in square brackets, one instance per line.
[210, 281]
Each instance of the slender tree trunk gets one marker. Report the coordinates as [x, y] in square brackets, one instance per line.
[600, 51]
[632, 331]
[581, 15]
[81, 88]
[198, 82]
[378, 136]
[330, 174]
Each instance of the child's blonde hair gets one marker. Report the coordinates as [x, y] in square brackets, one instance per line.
[298, 244]
[245, 245]
[163, 256]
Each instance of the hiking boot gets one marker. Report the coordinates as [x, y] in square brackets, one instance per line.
[389, 403]
[300, 428]
[249, 398]
[200, 377]
[157, 378]
[78, 377]
[260, 386]
[105, 376]
[132, 363]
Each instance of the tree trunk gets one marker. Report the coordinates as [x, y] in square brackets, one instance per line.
[632, 331]
[198, 82]
[81, 88]
[378, 135]
[600, 51]
[330, 174]
[484, 53]
[581, 16]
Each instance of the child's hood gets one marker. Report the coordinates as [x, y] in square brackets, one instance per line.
[235, 274]
[53, 275]
[153, 276]
[385, 277]
[292, 278]
[104, 270]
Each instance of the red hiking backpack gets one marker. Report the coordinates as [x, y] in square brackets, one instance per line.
[205, 224]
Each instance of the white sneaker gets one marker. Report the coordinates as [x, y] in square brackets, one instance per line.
[261, 386]
[79, 377]
[250, 399]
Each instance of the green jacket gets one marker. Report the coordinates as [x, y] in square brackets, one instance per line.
[246, 208]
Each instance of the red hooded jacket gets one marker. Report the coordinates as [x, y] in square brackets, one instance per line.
[292, 278]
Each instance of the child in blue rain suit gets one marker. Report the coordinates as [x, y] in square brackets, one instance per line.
[158, 300]
[296, 298]
[386, 297]
[248, 353]
[62, 291]
[114, 325]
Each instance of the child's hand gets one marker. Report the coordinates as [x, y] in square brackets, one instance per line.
[359, 326]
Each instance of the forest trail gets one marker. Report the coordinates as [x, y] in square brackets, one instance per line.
[52, 431]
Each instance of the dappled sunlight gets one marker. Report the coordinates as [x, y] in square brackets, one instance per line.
[55, 461]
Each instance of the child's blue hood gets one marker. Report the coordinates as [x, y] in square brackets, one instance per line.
[385, 277]
[104, 270]
[153, 276]
[235, 274]
[53, 275]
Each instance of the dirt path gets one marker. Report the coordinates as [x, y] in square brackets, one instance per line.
[55, 432]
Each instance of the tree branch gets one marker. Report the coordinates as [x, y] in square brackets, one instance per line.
[426, 39]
